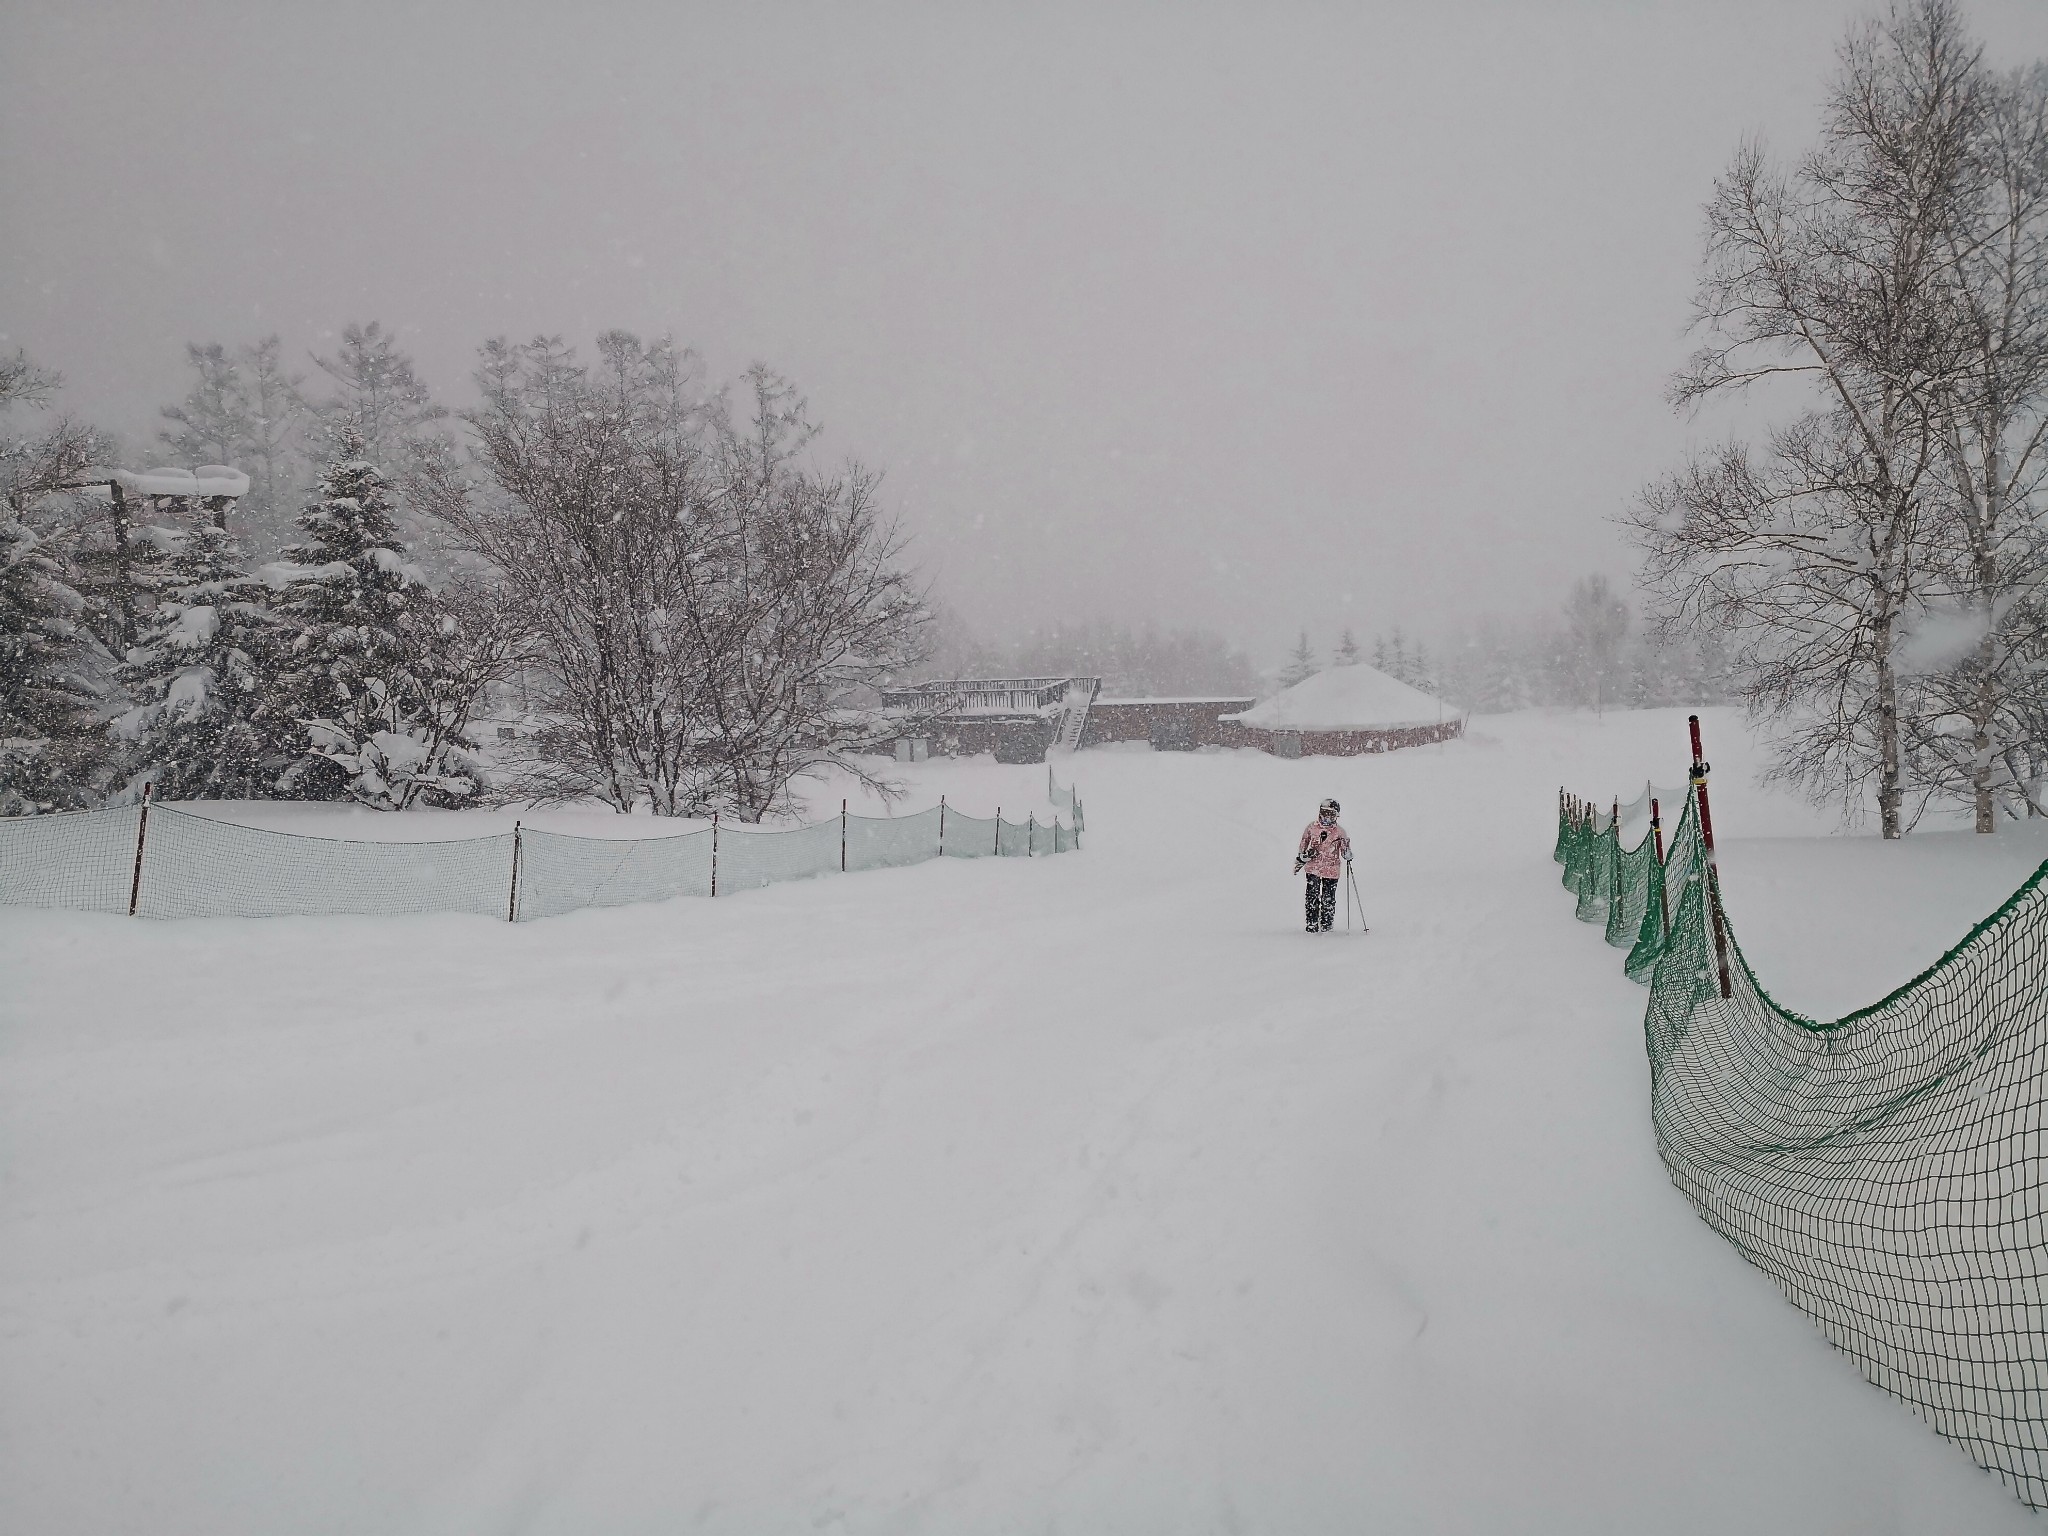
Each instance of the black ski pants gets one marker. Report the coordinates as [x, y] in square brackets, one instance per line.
[1321, 906]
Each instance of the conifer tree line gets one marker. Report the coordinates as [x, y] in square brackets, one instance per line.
[1595, 653]
[1145, 662]
[681, 612]
[1877, 559]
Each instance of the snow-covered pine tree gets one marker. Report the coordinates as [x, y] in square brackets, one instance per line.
[1391, 655]
[244, 408]
[210, 425]
[198, 677]
[275, 413]
[1301, 663]
[53, 751]
[362, 687]
[379, 395]
[1347, 649]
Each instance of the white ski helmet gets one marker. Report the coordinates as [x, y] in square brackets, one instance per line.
[1330, 806]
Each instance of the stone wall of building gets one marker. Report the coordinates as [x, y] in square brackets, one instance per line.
[1338, 743]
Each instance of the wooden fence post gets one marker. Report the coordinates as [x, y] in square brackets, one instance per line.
[141, 836]
[512, 903]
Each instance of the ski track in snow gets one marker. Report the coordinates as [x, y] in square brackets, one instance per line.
[1076, 1194]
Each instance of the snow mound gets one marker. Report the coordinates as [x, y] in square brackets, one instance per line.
[1355, 698]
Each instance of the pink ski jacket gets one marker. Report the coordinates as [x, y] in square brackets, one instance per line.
[1323, 849]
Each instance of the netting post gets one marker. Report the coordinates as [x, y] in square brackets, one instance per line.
[1657, 869]
[842, 837]
[714, 853]
[141, 836]
[512, 902]
[999, 831]
[1031, 835]
[942, 826]
[1699, 785]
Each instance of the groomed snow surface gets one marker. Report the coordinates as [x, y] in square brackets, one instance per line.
[1086, 1194]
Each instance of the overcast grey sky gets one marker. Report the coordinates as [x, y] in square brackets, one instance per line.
[1250, 315]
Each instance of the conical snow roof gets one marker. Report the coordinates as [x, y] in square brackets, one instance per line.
[1354, 698]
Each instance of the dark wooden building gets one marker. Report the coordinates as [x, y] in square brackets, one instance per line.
[1018, 719]
[1170, 725]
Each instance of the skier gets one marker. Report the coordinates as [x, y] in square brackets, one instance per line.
[1322, 845]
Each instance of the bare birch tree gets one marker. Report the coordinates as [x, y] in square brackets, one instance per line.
[1833, 274]
[1778, 551]
[1975, 740]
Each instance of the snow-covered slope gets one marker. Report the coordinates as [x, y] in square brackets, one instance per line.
[1084, 1194]
[1354, 698]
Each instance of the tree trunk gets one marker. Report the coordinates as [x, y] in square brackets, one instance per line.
[1980, 740]
[124, 568]
[1889, 796]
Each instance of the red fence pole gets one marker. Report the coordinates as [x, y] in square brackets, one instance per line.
[1699, 784]
[1657, 869]
[141, 836]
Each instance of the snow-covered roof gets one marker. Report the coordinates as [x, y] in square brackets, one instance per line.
[169, 480]
[1355, 698]
[1202, 698]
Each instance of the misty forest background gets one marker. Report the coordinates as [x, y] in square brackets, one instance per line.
[683, 611]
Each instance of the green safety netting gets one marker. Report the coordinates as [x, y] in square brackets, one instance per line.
[197, 866]
[558, 873]
[969, 837]
[1884, 1169]
[1014, 839]
[182, 864]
